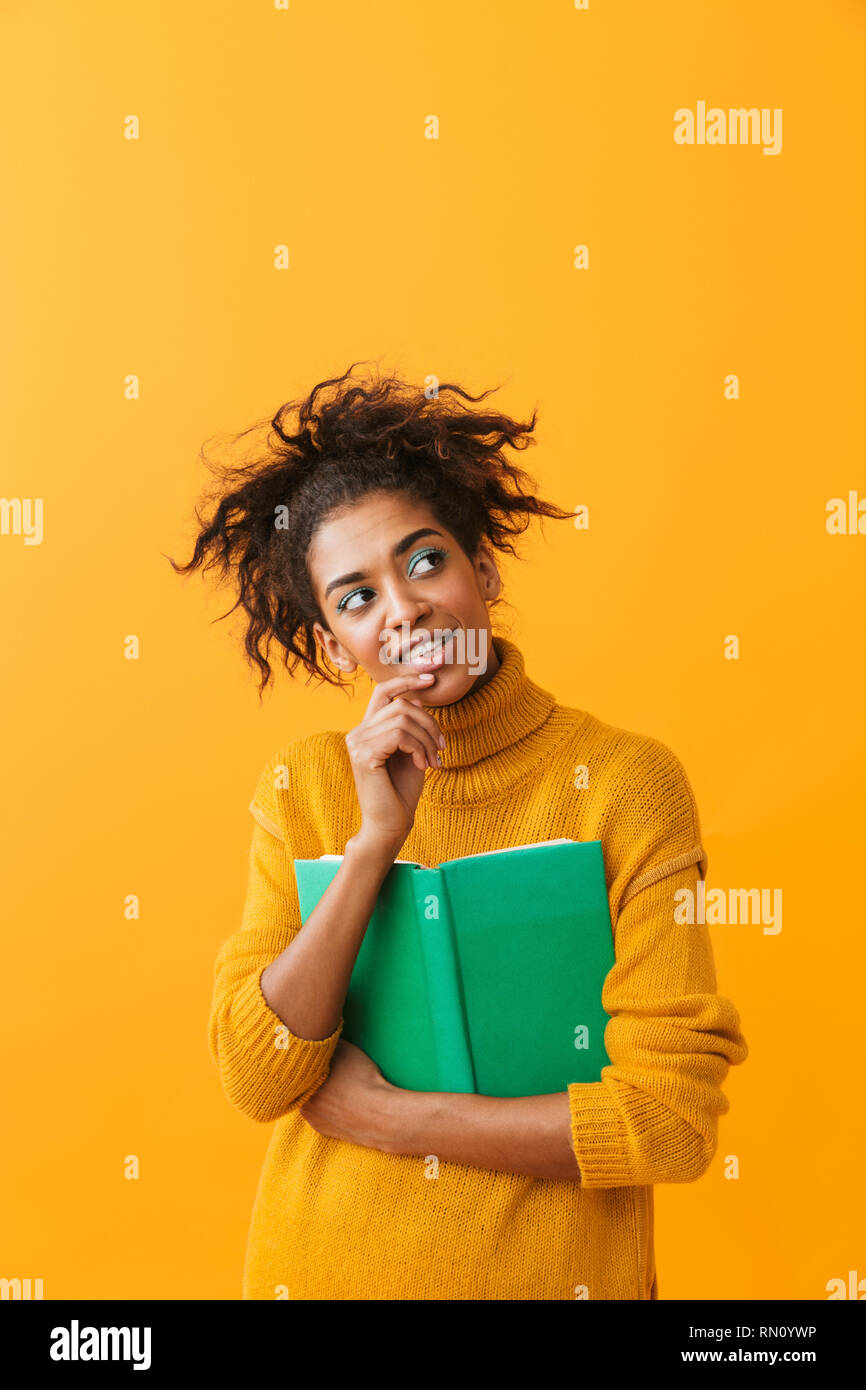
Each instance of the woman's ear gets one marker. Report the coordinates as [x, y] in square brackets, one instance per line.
[334, 650]
[488, 575]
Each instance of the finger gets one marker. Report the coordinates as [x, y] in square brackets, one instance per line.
[379, 737]
[406, 681]
[413, 718]
[424, 715]
[414, 747]
[374, 719]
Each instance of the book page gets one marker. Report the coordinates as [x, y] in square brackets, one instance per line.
[413, 862]
[507, 849]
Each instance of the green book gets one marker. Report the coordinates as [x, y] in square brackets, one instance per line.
[485, 974]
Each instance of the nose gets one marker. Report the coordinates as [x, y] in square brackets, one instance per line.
[403, 604]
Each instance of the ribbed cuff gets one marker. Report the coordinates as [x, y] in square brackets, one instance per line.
[270, 1068]
[598, 1137]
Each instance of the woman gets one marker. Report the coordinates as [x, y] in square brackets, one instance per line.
[368, 531]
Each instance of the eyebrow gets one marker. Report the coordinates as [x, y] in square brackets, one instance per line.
[398, 550]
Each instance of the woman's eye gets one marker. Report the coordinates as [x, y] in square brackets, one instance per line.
[345, 603]
[428, 555]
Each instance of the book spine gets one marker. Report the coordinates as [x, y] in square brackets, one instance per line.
[444, 990]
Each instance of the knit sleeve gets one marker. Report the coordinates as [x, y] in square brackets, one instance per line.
[266, 1070]
[671, 1038]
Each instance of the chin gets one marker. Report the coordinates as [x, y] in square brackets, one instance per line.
[451, 683]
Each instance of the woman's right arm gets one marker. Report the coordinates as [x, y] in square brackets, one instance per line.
[389, 752]
[306, 986]
[280, 986]
[265, 1069]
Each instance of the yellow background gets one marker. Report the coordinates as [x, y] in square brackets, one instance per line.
[451, 257]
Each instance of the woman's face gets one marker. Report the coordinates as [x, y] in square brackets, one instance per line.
[387, 576]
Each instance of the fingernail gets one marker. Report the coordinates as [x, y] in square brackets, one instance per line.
[441, 740]
[425, 675]
[438, 761]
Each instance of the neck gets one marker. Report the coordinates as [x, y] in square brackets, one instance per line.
[493, 664]
[500, 712]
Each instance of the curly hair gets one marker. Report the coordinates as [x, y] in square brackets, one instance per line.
[325, 452]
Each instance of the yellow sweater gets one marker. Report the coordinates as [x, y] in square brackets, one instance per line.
[335, 1220]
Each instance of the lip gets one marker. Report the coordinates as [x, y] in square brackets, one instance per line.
[440, 649]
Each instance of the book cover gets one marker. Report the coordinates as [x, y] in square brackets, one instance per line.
[483, 974]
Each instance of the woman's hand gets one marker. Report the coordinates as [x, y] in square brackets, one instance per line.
[352, 1102]
[390, 750]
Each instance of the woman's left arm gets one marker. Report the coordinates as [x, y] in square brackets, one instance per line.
[653, 1116]
[529, 1134]
[650, 1119]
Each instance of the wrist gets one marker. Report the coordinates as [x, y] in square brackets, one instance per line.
[367, 845]
[405, 1116]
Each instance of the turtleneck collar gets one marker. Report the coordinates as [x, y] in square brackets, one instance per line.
[507, 708]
